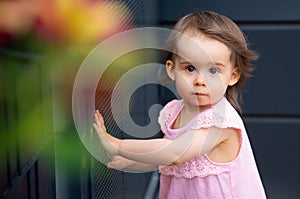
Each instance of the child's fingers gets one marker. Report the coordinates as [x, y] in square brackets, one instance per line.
[97, 122]
[108, 142]
[100, 124]
[98, 131]
[113, 164]
[99, 116]
[99, 127]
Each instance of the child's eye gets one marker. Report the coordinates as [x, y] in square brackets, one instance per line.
[190, 68]
[213, 70]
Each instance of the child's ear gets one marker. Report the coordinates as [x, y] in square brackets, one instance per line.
[235, 76]
[170, 69]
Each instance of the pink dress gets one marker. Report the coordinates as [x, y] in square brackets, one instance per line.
[201, 177]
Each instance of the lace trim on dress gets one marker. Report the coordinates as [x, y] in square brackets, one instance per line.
[200, 167]
[216, 119]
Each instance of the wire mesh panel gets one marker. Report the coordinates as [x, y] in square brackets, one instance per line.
[108, 183]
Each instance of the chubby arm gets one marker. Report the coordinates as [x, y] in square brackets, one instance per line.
[119, 162]
[171, 152]
[160, 151]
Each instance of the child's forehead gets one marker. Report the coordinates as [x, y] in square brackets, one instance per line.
[199, 49]
[189, 48]
[204, 62]
[195, 40]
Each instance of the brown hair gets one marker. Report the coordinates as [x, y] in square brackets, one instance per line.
[224, 30]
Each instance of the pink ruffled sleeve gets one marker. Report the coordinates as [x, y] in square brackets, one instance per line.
[166, 113]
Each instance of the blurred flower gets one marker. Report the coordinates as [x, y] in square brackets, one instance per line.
[80, 21]
[64, 22]
[16, 17]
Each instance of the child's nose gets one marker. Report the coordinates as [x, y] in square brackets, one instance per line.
[199, 80]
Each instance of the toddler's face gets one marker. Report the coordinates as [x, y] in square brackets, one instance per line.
[202, 71]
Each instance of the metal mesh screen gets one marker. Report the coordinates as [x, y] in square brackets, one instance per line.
[109, 183]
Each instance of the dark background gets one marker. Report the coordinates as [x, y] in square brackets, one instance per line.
[271, 110]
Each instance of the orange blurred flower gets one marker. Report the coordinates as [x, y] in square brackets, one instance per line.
[17, 17]
[81, 21]
[64, 21]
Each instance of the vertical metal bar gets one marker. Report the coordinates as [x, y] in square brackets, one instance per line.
[37, 179]
[29, 182]
[89, 182]
[8, 167]
[92, 178]
[152, 186]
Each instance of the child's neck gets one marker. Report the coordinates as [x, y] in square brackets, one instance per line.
[193, 110]
[186, 115]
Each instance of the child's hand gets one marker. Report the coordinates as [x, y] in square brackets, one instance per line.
[109, 143]
[118, 162]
